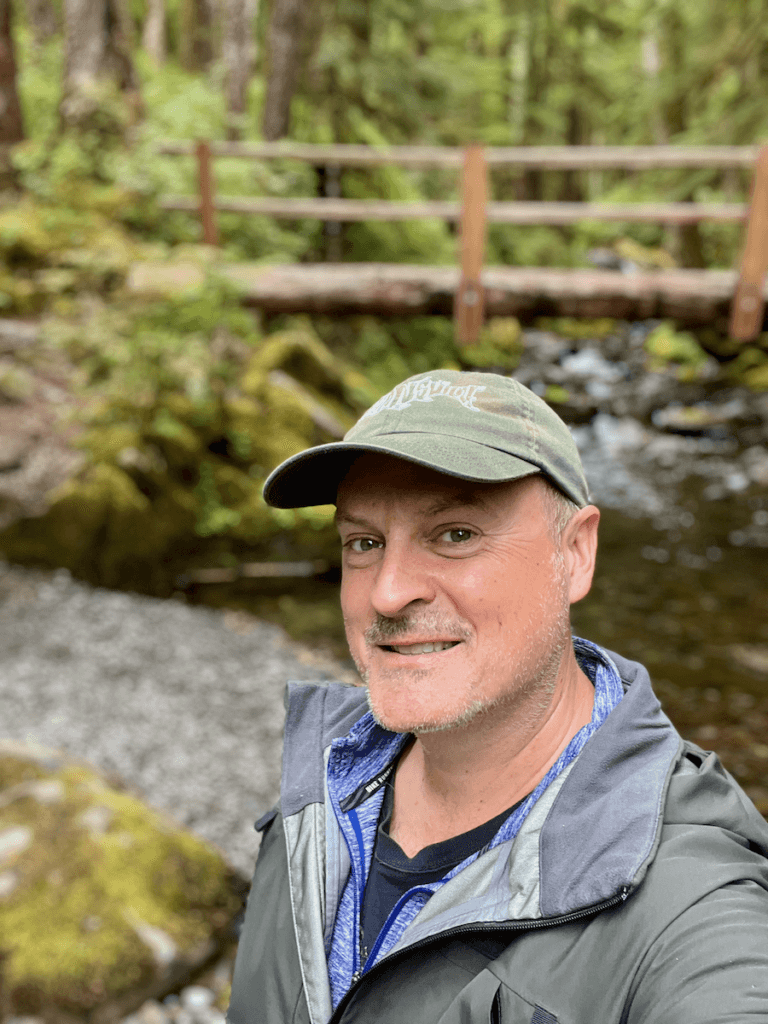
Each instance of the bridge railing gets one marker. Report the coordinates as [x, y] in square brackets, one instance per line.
[473, 212]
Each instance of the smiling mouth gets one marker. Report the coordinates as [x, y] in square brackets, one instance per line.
[428, 648]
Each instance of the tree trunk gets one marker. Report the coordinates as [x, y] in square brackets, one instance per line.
[669, 119]
[153, 36]
[196, 34]
[651, 62]
[238, 51]
[43, 20]
[97, 55]
[572, 190]
[285, 38]
[11, 123]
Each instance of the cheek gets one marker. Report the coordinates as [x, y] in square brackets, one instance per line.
[506, 594]
[354, 603]
[481, 596]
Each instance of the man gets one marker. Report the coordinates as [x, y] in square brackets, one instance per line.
[503, 825]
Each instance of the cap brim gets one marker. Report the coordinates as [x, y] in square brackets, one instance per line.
[312, 477]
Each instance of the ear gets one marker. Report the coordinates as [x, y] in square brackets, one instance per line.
[580, 550]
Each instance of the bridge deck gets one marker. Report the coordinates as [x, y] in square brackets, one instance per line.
[692, 297]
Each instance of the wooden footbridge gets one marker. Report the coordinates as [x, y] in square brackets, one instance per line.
[731, 300]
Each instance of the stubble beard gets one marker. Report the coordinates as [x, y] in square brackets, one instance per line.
[531, 686]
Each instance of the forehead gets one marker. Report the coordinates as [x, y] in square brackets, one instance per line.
[382, 478]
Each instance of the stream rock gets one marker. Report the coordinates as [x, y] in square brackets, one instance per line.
[646, 431]
[104, 903]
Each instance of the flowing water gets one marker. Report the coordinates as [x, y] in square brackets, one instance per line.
[691, 603]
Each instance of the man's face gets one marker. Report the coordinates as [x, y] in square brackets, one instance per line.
[455, 595]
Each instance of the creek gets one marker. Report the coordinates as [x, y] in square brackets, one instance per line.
[692, 605]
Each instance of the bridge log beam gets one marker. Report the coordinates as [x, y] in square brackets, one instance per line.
[693, 298]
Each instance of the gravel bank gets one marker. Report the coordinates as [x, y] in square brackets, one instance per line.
[183, 703]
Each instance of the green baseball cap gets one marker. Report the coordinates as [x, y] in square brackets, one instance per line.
[474, 426]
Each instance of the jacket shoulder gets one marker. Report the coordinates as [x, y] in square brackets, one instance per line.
[702, 792]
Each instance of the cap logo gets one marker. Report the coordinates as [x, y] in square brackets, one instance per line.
[426, 390]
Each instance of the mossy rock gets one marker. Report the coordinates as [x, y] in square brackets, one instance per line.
[678, 351]
[751, 368]
[104, 903]
[500, 345]
[299, 353]
[577, 330]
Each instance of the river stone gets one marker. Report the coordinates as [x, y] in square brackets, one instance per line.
[104, 903]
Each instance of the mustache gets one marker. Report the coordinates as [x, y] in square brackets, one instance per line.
[384, 629]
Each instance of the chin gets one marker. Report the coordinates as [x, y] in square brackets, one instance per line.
[411, 721]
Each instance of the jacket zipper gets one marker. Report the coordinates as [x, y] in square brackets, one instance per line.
[510, 926]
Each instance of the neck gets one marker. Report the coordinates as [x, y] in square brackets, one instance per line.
[450, 782]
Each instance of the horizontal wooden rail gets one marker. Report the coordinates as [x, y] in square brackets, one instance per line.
[544, 213]
[638, 213]
[631, 158]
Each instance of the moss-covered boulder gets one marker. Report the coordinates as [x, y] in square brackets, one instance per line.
[103, 902]
[677, 352]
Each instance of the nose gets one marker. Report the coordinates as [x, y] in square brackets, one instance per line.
[402, 579]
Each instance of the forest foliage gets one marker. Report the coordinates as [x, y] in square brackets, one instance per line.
[446, 72]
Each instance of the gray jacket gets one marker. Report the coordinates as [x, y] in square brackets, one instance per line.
[636, 891]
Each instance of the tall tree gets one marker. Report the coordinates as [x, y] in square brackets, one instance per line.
[196, 32]
[153, 33]
[43, 19]
[284, 45]
[11, 122]
[98, 57]
[238, 51]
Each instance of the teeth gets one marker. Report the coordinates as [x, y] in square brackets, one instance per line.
[440, 645]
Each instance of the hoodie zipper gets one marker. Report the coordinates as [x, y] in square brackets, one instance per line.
[510, 926]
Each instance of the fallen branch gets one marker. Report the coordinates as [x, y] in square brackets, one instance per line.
[253, 570]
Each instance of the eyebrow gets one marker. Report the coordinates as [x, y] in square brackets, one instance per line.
[457, 500]
[344, 517]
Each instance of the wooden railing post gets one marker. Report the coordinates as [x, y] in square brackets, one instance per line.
[470, 299]
[748, 302]
[207, 189]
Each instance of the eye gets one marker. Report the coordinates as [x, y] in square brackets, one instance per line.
[362, 545]
[457, 536]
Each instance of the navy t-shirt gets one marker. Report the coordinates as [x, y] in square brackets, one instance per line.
[392, 873]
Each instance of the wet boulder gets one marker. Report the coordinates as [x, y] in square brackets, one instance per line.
[104, 903]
